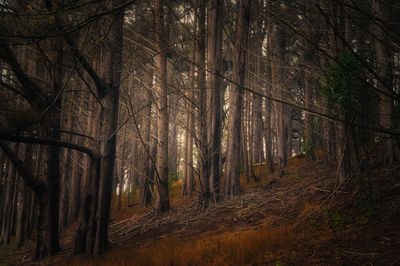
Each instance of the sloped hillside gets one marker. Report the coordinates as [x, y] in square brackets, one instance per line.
[301, 218]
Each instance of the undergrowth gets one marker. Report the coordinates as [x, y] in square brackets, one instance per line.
[231, 248]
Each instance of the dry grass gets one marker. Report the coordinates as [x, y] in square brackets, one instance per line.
[127, 211]
[231, 248]
[272, 224]
[135, 209]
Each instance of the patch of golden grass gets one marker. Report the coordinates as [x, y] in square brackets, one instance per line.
[310, 208]
[231, 248]
[127, 211]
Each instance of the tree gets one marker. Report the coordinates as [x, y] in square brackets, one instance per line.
[188, 169]
[385, 71]
[47, 191]
[204, 176]
[232, 183]
[280, 110]
[162, 105]
[214, 87]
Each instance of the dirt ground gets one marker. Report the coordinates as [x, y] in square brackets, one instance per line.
[355, 224]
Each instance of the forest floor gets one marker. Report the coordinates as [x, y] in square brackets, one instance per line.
[302, 218]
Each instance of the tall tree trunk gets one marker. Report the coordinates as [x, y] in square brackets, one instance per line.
[246, 140]
[327, 129]
[163, 121]
[144, 180]
[48, 200]
[309, 140]
[7, 209]
[33, 208]
[186, 166]
[268, 108]
[385, 71]
[4, 164]
[83, 235]
[232, 183]
[258, 67]
[343, 132]
[48, 223]
[66, 161]
[23, 204]
[92, 232]
[257, 129]
[111, 70]
[77, 169]
[278, 78]
[188, 185]
[173, 137]
[204, 180]
[214, 86]
[121, 172]
[76, 177]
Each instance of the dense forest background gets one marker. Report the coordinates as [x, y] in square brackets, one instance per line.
[113, 101]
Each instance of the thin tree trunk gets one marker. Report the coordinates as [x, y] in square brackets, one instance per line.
[386, 104]
[145, 193]
[204, 185]
[22, 204]
[214, 86]
[189, 173]
[232, 184]
[68, 122]
[7, 211]
[246, 140]
[278, 77]
[121, 172]
[76, 178]
[33, 212]
[76, 169]
[83, 235]
[4, 164]
[309, 140]
[186, 152]
[163, 121]
[268, 108]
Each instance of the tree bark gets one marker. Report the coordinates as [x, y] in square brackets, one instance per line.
[309, 140]
[163, 121]
[145, 179]
[23, 204]
[7, 209]
[204, 181]
[268, 107]
[4, 164]
[232, 183]
[76, 169]
[111, 70]
[188, 185]
[278, 78]
[214, 87]
[391, 151]
[48, 223]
